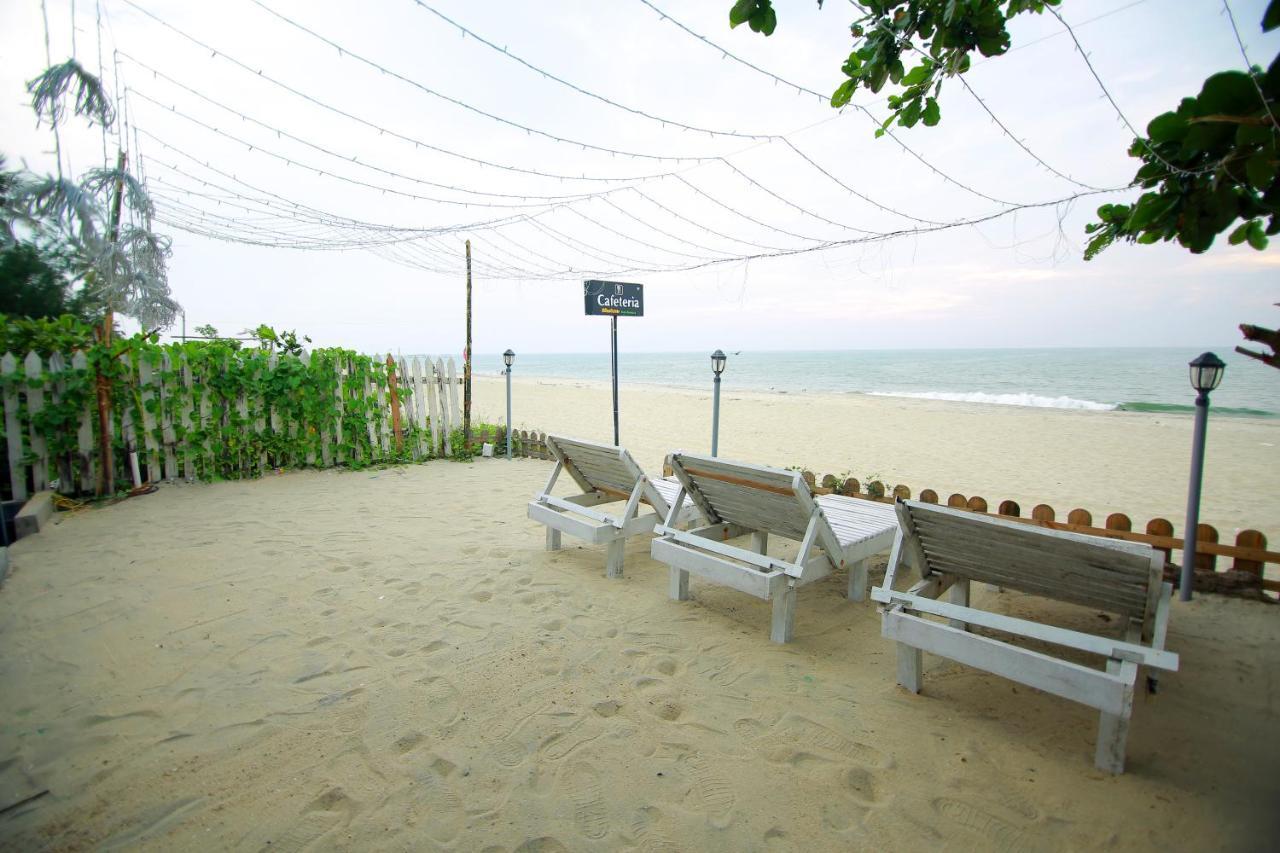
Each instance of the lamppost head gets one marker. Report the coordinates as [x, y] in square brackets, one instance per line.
[1206, 372]
[718, 360]
[508, 358]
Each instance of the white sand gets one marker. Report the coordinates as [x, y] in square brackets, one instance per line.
[389, 660]
[1105, 462]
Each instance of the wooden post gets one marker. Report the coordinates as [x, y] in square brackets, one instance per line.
[395, 394]
[466, 365]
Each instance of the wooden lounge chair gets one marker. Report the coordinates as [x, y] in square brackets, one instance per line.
[954, 547]
[606, 474]
[736, 498]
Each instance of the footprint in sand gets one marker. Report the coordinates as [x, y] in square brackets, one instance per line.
[994, 832]
[444, 807]
[714, 792]
[862, 784]
[583, 784]
[324, 815]
[646, 827]
[545, 844]
[547, 730]
[797, 732]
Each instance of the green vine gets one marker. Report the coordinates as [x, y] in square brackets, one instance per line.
[208, 407]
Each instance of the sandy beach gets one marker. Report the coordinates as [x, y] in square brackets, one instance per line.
[389, 660]
[1105, 462]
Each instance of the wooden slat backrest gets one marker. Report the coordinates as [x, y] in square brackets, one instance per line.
[602, 467]
[1118, 577]
[753, 496]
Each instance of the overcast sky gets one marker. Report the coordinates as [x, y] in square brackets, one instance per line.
[1016, 280]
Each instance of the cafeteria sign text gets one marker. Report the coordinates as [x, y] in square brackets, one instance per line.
[614, 299]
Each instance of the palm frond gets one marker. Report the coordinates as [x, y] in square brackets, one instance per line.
[102, 182]
[49, 94]
[133, 277]
[63, 204]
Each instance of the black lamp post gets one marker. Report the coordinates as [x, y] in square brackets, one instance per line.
[718, 360]
[508, 358]
[1206, 375]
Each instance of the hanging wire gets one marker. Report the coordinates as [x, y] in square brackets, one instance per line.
[1248, 67]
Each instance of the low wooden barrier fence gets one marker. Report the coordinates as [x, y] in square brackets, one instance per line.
[1248, 554]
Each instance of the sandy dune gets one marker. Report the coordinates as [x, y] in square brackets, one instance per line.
[389, 660]
[1106, 462]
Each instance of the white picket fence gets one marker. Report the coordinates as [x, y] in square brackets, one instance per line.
[31, 384]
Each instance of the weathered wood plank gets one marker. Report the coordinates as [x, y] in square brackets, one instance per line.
[168, 391]
[12, 427]
[57, 387]
[147, 387]
[33, 367]
[186, 418]
[86, 461]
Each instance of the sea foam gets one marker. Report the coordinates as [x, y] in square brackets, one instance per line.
[1018, 399]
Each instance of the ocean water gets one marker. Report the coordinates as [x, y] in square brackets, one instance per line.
[1132, 379]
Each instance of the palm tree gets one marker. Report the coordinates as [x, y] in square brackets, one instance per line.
[105, 221]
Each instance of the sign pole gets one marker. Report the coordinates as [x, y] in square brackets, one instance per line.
[614, 325]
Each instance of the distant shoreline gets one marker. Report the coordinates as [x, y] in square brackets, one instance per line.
[1024, 400]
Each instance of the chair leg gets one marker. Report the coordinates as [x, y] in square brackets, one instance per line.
[783, 624]
[759, 541]
[910, 667]
[553, 539]
[1113, 730]
[678, 584]
[613, 568]
[858, 581]
[959, 594]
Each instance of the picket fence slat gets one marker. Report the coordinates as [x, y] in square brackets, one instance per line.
[33, 368]
[167, 434]
[185, 417]
[12, 430]
[86, 462]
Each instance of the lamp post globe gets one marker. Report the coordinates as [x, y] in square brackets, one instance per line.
[718, 359]
[508, 358]
[1206, 372]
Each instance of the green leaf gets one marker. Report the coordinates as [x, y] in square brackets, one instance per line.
[1167, 127]
[741, 12]
[1229, 93]
[1257, 238]
[1239, 235]
[843, 93]
[1271, 17]
[1261, 170]
[917, 75]
[932, 113]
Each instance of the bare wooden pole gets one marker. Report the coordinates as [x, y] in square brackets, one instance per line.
[106, 469]
[466, 364]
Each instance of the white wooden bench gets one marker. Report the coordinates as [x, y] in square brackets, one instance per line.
[737, 499]
[953, 547]
[606, 474]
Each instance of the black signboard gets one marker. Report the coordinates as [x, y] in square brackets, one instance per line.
[613, 298]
